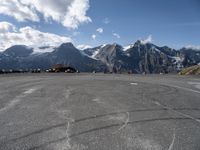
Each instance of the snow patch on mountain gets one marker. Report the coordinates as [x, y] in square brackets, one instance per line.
[157, 50]
[83, 47]
[147, 40]
[102, 46]
[84, 54]
[128, 47]
[95, 53]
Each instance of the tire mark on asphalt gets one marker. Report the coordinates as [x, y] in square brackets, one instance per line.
[47, 143]
[154, 101]
[178, 112]
[132, 111]
[35, 133]
[103, 115]
[164, 89]
[104, 128]
[132, 122]
[87, 131]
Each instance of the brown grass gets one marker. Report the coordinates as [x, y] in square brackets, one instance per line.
[194, 70]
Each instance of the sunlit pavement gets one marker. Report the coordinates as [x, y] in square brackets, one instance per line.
[99, 112]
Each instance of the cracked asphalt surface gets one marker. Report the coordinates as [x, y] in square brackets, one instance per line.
[99, 112]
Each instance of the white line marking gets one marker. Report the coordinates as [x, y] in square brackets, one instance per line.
[97, 100]
[124, 125]
[67, 134]
[172, 143]
[193, 83]
[17, 99]
[134, 83]
[67, 93]
[29, 91]
[186, 89]
[197, 84]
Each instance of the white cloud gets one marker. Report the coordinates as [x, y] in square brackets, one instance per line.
[77, 14]
[18, 10]
[194, 47]
[82, 47]
[70, 13]
[100, 30]
[6, 27]
[147, 40]
[116, 35]
[106, 21]
[94, 37]
[30, 37]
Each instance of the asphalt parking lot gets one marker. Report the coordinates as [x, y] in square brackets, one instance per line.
[99, 112]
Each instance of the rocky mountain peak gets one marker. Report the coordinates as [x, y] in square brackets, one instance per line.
[18, 51]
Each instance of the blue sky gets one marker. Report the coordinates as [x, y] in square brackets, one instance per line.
[175, 23]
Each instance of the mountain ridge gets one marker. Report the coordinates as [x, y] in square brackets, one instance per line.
[137, 58]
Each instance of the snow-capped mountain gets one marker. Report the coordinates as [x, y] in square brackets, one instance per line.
[138, 57]
[66, 54]
[92, 52]
[143, 57]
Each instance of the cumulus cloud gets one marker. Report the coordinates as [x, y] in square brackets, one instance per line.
[100, 30]
[30, 37]
[149, 39]
[70, 13]
[116, 35]
[6, 27]
[94, 37]
[18, 10]
[77, 14]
